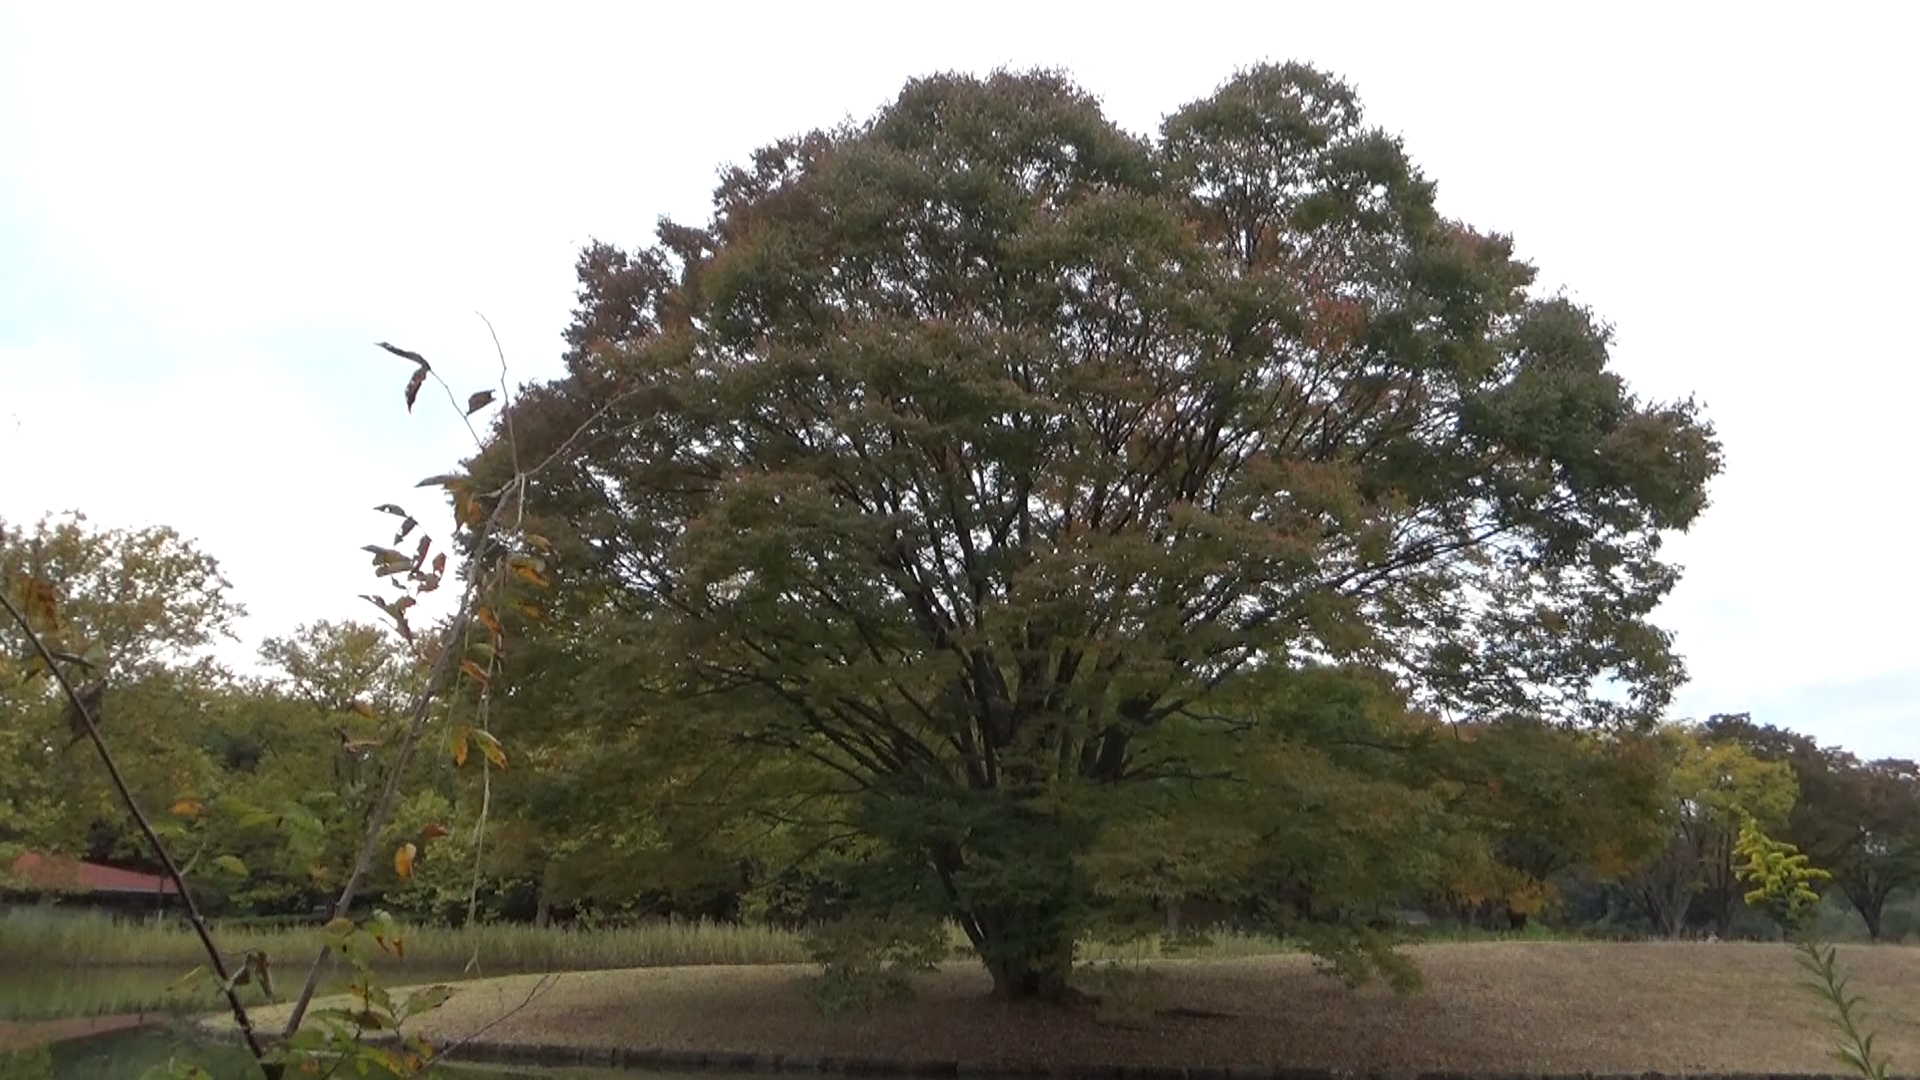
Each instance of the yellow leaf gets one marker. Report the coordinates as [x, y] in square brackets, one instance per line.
[460, 749]
[491, 747]
[362, 708]
[485, 617]
[186, 808]
[473, 671]
[403, 861]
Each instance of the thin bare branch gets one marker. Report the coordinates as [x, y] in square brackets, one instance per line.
[540, 986]
[269, 1069]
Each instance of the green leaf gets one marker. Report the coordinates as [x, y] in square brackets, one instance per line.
[491, 747]
[232, 865]
[301, 820]
[427, 999]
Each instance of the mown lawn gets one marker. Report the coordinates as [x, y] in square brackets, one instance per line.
[1501, 1007]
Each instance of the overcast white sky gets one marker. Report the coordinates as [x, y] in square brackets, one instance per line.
[209, 213]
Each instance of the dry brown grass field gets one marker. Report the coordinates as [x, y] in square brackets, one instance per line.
[1506, 1007]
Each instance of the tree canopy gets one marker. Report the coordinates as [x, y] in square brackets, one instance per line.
[982, 480]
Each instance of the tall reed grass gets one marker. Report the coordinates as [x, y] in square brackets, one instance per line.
[39, 939]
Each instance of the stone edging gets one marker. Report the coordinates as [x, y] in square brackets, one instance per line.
[662, 1060]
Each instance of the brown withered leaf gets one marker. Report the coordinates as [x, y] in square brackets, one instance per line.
[476, 402]
[42, 601]
[404, 354]
[414, 384]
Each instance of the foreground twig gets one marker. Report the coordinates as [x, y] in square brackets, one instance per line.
[199, 923]
[390, 795]
[540, 986]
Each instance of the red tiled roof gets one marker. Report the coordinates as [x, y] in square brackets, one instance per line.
[53, 873]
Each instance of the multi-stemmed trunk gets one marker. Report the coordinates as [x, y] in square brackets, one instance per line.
[1024, 917]
[1027, 949]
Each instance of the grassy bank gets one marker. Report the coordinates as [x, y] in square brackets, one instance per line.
[1488, 1008]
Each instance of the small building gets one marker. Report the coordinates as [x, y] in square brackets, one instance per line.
[38, 878]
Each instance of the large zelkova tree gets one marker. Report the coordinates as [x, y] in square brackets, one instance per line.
[989, 483]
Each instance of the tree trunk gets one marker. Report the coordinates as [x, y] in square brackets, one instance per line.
[1023, 902]
[543, 898]
[1869, 901]
[1723, 914]
[1028, 949]
[1870, 913]
[1017, 981]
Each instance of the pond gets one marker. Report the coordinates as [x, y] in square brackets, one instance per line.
[43, 994]
[50, 993]
[125, 1056]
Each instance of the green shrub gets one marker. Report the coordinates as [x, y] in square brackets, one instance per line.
[870, 960]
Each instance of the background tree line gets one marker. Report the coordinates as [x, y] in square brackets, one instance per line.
[264, 776]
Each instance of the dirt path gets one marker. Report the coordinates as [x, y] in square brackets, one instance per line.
[22, 1034]
[1488, 1008]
